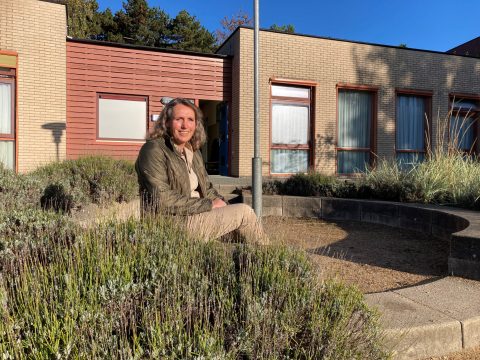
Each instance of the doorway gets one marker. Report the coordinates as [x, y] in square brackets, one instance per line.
[215, 151]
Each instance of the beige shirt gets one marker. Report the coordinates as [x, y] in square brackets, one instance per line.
[187, 156]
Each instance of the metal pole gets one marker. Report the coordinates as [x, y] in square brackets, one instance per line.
[256, 160]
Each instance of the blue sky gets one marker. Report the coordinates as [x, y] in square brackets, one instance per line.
[423, 24]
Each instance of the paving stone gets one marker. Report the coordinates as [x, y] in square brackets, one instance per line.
[413, 330]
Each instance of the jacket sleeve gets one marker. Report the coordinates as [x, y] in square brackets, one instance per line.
[152, 173]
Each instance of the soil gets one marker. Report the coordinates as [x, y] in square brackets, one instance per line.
[372, 257]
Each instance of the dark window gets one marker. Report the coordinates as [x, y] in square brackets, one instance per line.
[355, 136]
[463, 132]
[412, 129]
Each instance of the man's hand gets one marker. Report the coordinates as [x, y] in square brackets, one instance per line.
[218, 203]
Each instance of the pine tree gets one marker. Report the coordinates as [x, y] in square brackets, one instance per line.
[141, 25]
[186, 33]
[82, 18]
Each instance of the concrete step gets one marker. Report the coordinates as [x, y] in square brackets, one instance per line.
[432, 319]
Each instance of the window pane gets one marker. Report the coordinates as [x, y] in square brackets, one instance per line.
[289, 161]
[466, 105]
[290, 124]
[7, 154]
[462, 132]
[290, 91]
[6, 109]
[406, 161]
[122, 119]
[354, 118]
[350, 162]
[410, 122]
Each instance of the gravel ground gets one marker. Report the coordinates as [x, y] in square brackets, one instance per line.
[372, 257]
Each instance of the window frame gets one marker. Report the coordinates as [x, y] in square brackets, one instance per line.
[427, 96]
[475, 115]
[11, 81]
[284, 100]
[373, 125]
[127, 97]
[9, 74]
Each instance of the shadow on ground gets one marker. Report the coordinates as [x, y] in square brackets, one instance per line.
[372, 257]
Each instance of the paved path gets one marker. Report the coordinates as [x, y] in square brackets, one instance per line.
[436, 318]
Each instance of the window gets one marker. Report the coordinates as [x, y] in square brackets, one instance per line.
[355, 137]
[7, 118]
[291, 129]
[463, 132]
[122, 117]
[411, 128]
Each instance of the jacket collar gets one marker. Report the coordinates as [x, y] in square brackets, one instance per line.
[171, 145]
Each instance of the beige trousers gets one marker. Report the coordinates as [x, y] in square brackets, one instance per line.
[238, 219]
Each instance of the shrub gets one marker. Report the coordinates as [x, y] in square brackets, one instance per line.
[54, 197]
[30, 231]
[70, 184]
[346, 189]
[145, 290]
[274, 187]
[18, 191]
[311, 184]
[95, 179]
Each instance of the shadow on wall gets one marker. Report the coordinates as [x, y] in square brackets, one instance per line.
[57, 129]
[393, 68]
[324, 151]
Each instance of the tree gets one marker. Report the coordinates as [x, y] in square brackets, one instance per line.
[138, 24]
[289, 29]
[186, 33]
[82, 19]
[230, 24]
[108, 27]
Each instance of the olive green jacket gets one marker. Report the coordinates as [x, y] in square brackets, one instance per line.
[164, 181]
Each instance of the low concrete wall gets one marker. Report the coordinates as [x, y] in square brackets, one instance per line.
[460, 227]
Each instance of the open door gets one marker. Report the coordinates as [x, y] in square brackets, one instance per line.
[216, 150]
[222, 110]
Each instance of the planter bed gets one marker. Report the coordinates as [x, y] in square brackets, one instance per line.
[460, 227]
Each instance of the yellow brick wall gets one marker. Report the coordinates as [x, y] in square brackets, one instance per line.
[330, 62]
[36, 30]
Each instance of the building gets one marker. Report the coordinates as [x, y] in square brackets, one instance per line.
[32, 83]
[469, 48]
[326, 104]
[115, 93]
[334, 105]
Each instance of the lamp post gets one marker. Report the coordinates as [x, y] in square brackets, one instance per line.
[256, 160]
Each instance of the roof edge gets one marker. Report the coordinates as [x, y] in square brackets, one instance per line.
[147, 48]
[348, 41]
[61, 2]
